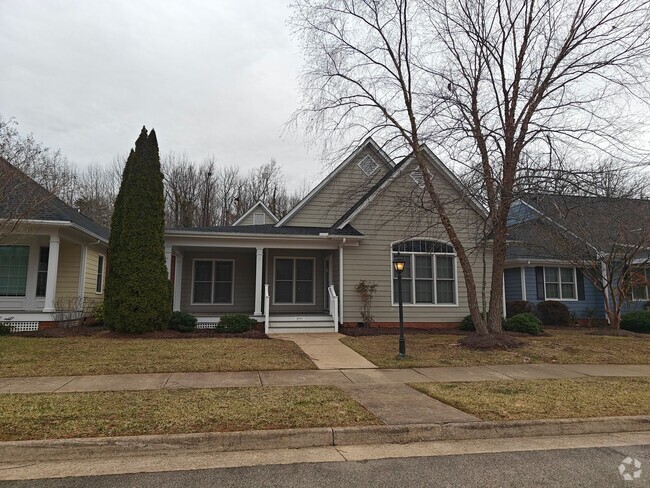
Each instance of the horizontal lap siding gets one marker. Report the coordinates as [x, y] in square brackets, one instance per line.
[244, 283]
[396, 215]
[343, 191]
[90, 277]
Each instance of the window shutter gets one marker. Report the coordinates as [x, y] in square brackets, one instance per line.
[539, 275]
[581, 284]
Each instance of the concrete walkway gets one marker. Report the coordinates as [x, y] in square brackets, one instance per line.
[336, 377]
[327, 351]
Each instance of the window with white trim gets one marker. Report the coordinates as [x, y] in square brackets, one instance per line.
[641, 284]
[259, 218]
[560, 283]
[429, 276]
[213, 281]
[41, 274]
[13, 270]
[294, 281]
[368, 165]
[99, 283]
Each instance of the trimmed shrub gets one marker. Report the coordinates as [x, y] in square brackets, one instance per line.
[98, 313]
[467, 324]
[236, 323]
[636, 322]
[524, 322]
[183, 322]
[516, 307]
[5, 329]
[551, 312]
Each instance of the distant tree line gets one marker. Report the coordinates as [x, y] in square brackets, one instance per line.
[196, 195]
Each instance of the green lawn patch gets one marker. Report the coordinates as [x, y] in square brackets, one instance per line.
[545, 399]
[37, 356]
[560, 346]
[99, 414]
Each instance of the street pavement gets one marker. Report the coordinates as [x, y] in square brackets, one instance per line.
[582, 467]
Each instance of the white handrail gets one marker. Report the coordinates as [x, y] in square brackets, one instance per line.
[266, 308]
[334, 307]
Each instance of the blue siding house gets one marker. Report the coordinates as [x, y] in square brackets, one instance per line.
[535, 269]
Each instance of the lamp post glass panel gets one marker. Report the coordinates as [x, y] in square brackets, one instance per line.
[399, 263]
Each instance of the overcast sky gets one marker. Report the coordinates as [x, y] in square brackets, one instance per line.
[212, 77]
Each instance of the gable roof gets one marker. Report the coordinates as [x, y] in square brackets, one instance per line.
[369, 142]
[389, 177]
[261, 205]
[23, 197]
[600, 222]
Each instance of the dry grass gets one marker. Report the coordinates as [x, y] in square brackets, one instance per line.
[27, 356]
[67, 415]
[545, 399]
[561, 346]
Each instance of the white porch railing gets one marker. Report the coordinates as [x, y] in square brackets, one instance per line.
[267, 300]
[334, 307]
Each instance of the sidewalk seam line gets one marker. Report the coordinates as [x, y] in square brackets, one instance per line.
[65, 384]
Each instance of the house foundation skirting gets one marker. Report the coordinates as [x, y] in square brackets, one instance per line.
[409, 325]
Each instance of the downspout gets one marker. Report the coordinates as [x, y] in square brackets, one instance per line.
[341, 321]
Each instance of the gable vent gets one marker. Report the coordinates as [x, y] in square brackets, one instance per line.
[259, 218]
[368, 165]
[417, 177]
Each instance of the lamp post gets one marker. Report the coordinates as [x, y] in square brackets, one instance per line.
[398, 264]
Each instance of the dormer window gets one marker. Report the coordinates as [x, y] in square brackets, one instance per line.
[368, 165]
[259, 218]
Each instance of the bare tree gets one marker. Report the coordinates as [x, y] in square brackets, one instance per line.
[607, 238]
[501, 85]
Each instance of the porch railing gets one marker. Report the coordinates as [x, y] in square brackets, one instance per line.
[267, 300]
[334, 307]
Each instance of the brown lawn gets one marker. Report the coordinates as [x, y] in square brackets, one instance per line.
[99, 414]
[560, 346]
[37, 356]
[545, 399]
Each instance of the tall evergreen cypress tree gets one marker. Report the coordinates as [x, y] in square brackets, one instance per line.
[138, 293]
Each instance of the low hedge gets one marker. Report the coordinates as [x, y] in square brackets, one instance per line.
[524, 322]
[636, 322]
[551, 312]
[516, 307]
[235, 323]
[5, 329]
[183, 322]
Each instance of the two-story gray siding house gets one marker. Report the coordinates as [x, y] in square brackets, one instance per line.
[299, 273]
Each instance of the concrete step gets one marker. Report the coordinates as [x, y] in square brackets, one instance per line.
[300, 318]
[300, 330]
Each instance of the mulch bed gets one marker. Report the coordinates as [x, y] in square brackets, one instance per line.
[373, 331]
[615, 333]
[105, 333]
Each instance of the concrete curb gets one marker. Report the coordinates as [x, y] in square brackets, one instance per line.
[131, 446]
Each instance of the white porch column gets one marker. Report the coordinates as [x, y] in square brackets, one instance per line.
[259, 262]
[168, 260]
[52, 271]
[178, 279]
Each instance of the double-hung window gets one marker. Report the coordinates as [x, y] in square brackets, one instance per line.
[641, 284]
[429, 276]
[41, 276]
[213, 282]
[294, 281]
[13, 270]
[560, 283]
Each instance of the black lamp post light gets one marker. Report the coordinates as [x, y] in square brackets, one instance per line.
[399, 263]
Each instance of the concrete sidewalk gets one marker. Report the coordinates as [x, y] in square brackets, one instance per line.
[335, 377]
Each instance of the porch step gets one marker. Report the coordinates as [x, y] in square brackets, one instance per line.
[305, 324]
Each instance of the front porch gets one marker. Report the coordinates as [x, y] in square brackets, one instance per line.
[290, 286]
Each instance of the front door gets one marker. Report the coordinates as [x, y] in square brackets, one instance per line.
[327, 273]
